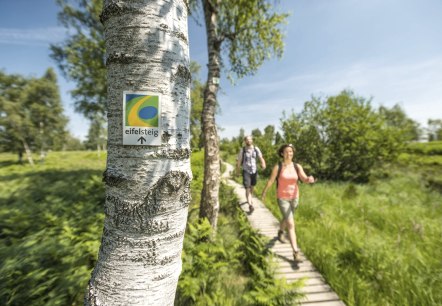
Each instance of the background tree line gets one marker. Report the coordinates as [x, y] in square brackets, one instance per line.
[339, 137]
[31, 115]
[32, 118]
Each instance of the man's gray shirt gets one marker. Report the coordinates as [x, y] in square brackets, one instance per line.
[250, 157]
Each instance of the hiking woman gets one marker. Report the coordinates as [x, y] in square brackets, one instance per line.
[287, 174]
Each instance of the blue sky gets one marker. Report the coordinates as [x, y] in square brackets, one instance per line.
[387, 50]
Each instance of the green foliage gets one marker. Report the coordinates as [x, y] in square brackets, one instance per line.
[252, 33]
[430, 148]
[210, 262]
[376, 244]
[227, 268]
[73, 144]
[51, 218]
[229, 150]
[263, 287]
[97, 134]
[207, 269]
[342, 137]
[31, 113]
[425, 158]
[196, 97]
[269, 143]
[435, 129]
[397, 118]
[80, 56]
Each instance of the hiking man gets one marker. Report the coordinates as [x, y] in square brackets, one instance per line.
[247, 160]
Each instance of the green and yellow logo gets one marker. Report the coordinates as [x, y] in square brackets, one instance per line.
[142, 110]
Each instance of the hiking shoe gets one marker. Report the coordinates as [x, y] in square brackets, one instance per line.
[251, 208]
[296, 256]
[281, 236]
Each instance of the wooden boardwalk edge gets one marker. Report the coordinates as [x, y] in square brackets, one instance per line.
[317, 291]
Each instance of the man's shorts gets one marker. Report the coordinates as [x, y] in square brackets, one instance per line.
[249, 179]
[288, 207]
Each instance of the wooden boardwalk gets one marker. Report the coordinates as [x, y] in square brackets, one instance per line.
[316, 290]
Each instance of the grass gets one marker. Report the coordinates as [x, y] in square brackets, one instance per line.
[51, 220]
[426, 148]
[376, 244]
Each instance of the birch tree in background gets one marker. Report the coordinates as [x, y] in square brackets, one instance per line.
[147, 187]
[246, 32]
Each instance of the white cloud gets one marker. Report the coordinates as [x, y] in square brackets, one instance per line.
[32, 37]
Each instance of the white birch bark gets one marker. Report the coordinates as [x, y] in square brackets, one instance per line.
[147, 188]
[28, 152]
[209, 207]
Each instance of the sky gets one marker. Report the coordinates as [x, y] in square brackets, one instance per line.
[389, 51]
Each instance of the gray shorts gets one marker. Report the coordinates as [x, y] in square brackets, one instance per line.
[249, 179]
[288, 207]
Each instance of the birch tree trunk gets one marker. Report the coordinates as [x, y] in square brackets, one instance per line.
[209, 207]
[28, 152]
[147, 187]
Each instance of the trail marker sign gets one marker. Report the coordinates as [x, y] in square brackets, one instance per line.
[141, 118]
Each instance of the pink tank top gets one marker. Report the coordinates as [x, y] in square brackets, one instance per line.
[288, 183]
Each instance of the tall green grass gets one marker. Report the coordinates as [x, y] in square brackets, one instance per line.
[51, 218]
[376, 244]
[425, 148]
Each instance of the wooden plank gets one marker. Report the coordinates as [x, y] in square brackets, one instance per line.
[298, 275]
[289, 258]
[323, 303]
[282, 246]
[309, 281]
[319, 297]
[291, 269]
[283, 262]
[316, 288]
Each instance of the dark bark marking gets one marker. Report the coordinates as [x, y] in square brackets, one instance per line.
[161, 277]
[177, 154]
[175, 236]
[177, 34]
[166, 136]
[112, 179]
[123, 58]
[137, 216]
[115, 9]
[182, 75]
[174, 185]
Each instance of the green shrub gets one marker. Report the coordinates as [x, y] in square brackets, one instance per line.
[426, 148]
